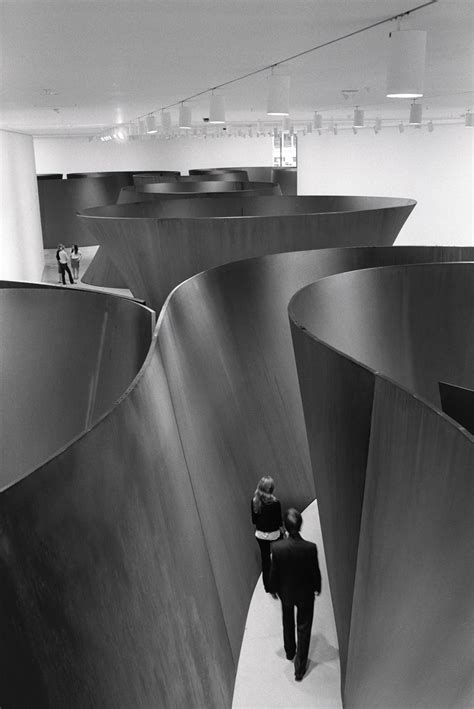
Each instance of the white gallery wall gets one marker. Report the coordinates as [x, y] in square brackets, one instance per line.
[63, 155]
[434, 168]
[21, 241]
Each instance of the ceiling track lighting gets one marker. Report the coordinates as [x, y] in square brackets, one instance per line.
[430, 126]
[216, 108]
[377, 125]
[401, 127]
[184, 120]
[406, 65]
[358, 118]
[317, 121]
[405, 76]
[416, 113]
[278, 102]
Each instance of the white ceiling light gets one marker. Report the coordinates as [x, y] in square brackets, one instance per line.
[184, 120]
[121, 134]
[217, 108]
[406, 65]
[416, 112]
[278, 102]
[151, 124]
[358, 118]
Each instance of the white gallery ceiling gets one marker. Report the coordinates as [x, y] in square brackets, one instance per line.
[78, 67]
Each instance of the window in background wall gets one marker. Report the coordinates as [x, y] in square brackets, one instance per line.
[285, 150]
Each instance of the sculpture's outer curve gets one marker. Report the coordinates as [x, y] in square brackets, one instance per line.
[128, 560]
[393, 475]
[155, 253]
[103, 272]
[60, 200]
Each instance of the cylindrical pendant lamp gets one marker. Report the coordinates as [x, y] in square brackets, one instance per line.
[406, 64]
[318, 120]
[184, 117]
[278, 103]
[150, 122]
[217, 108]
[416, 112]
[309, 128]
[166, 120]
[358, 118]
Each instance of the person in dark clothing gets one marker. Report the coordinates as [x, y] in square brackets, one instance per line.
[63, 264]
[266, 516]
[295, 577]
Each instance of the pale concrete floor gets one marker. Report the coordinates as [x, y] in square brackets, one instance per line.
[265, 678]
[50, 271]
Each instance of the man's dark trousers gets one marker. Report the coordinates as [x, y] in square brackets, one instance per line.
[65, 269]
[304, 621]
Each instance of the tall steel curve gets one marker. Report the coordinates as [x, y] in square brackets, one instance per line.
[127, 555]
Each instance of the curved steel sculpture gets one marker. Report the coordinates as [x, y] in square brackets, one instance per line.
[393, 475]
[103, 272]
[144, 178]
[61, 199]
[63, 369]
[124, 582]
[157, 246]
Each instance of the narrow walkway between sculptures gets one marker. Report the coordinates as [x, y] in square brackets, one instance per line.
[265, 678]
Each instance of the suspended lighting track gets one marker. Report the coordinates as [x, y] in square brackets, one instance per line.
[293, 57]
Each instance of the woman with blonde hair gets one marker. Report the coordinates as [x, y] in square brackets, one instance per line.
[266, 516]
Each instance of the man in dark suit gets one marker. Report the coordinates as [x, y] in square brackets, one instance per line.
[295, 577]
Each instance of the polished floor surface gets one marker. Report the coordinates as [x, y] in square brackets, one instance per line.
[265, 678]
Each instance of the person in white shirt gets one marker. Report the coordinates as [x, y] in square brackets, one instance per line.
[63, 265]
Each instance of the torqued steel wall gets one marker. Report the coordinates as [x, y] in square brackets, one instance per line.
[127, 558]
[393, 476]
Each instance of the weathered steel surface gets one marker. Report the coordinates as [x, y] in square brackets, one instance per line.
[137, 558]
[155, 253]
[458, 403]
[103, 272]
[205, 186]
[67, 356]
[393, 476]
[287, 178]
[61, 199]
[142, 178]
